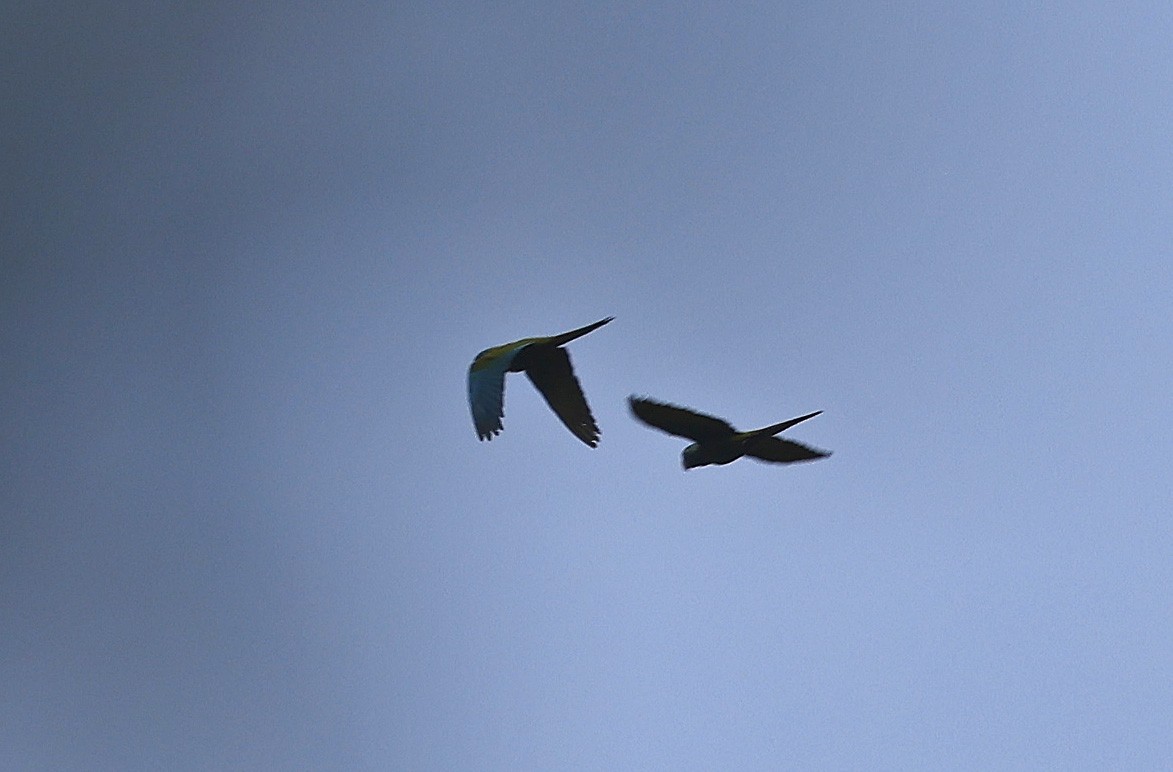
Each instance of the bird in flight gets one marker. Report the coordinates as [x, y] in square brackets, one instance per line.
[548, 366]
[716, 442]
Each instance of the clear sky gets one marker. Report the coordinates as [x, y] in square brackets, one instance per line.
[249, 251]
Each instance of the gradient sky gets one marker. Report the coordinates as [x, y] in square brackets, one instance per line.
[250, 250]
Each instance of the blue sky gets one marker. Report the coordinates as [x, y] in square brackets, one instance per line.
[250, 253]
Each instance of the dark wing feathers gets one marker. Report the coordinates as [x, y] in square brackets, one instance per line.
[486, 397]
[549, 369]
[680, 421]
[783, 451]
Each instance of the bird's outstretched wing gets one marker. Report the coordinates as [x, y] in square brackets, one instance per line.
[784, 451]
[549, 369]
[680, 421]
[486, 394]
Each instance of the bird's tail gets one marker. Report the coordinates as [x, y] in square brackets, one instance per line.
[770, 431]
[566, 337]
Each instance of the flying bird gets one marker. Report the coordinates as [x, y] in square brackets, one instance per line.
[548, 366]
[716, 442]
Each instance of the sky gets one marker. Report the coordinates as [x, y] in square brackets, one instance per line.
[249, 251]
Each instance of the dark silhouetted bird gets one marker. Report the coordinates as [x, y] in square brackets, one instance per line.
[716, 442]
[548, 366]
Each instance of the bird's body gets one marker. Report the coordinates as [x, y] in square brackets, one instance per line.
[716, 442]
[548, 366]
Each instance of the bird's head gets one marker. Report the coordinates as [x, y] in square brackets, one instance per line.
[489, 356]
[691, 457]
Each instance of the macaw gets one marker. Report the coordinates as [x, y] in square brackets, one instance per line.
[716, 442]
[548, 365]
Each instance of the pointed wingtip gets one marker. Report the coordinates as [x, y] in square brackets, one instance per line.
[636, 403]
[586, 437]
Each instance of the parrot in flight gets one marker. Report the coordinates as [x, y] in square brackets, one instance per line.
[548, 366]
[716, 442]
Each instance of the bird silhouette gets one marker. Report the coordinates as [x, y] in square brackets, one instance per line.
[548, 366]
[717, 442]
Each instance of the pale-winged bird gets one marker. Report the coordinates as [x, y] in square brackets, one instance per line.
[548, 366]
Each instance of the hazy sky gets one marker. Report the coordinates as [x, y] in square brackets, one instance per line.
[250, 250]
